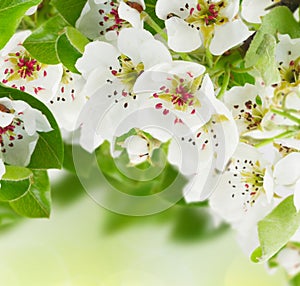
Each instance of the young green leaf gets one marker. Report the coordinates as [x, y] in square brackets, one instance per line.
[11, 13]
[41, 44]
[70, 47]
[48, 152]
[281, 20]
[15, 182]
[266, 65]
[276, 229]
[69, 9]
[36, 202]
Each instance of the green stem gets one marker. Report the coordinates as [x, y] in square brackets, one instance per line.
[185, 57]
[154, 25]
[238, 70]
[286, 134]
[209, 58]
[225, 83]
[286, 115]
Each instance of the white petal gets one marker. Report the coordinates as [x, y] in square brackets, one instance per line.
[289, 259]
[97, 55]
[269, 184]
[154, 52]
[6, 118]
[297, 195]
[287, 49]
[181, 37]
[231, 9]
[163, 8]
[253, 10]
[221, 42]
[130, 15]
[293, 101]
[130, 41]
[157, 76]
[287, 171]
[136, 148]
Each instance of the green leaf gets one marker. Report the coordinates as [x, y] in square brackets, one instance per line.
[15, 182]
[11, 13]
[35, 203]
[49, 151]
[240, 79]
[141, 187]
[41, 44]
[78, 40]
[70, 47]
[276, 229]
[199, 227]
[266, 62]
[279, 19]
[7, 216]
[295, 281]
[69, 9]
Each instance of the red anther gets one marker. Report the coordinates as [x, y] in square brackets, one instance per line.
[165, 112]
[159, 106]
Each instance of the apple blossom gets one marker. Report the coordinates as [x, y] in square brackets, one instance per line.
[19, 124]
[68, 100]
[107, 18]
[20, 70]
[192, 23]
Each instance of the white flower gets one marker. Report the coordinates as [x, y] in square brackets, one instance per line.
[103, 63]
[249, 105]
[68, 101]
[165, 101]
[20, 70]
[287, 174]
[107, 18]
[244, 194]
[177, 91]
[288, 58]
[289, 259]
[253, 10]
[193, 22]
[19, 124]
[111, 73]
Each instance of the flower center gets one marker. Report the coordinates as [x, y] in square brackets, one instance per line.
[205, 13]
[251, 176]
[290, 74]
[128, 72]
[9, 133]
[110, 19]
[23, 66]
[180, 93]
[252, 115]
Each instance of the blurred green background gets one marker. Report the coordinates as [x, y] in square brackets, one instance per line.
[83, 244]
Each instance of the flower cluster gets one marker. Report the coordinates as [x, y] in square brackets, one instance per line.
[213, 83]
